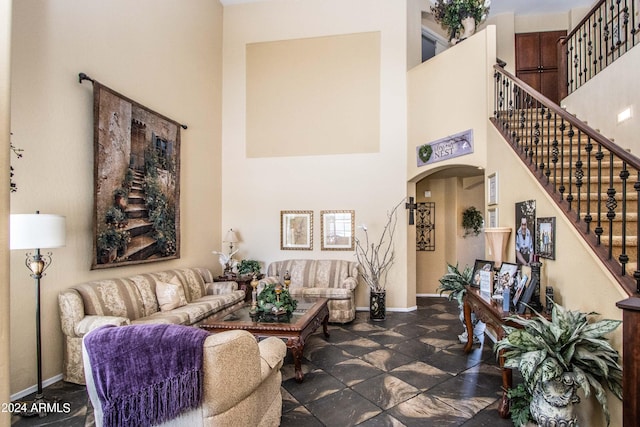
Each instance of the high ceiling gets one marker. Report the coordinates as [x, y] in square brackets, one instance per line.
[528, 7]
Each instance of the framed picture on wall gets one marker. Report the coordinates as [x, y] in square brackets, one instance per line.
[525, 231]
[337, 230]
[492, 189]
[492, 217]
[296, 230]
[546, 237]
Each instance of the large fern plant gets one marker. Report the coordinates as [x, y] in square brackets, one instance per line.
[455, 282]
[545, 350]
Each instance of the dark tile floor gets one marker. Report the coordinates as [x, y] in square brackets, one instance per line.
[408, 370]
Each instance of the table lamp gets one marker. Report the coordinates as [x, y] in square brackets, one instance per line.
[37, 231]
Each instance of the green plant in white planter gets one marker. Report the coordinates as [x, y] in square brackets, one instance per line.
[455, 283]
[558, 356]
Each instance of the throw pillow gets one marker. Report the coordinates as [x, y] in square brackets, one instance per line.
[170, 296]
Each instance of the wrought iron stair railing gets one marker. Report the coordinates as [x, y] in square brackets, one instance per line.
[610, 29]
[593, 181]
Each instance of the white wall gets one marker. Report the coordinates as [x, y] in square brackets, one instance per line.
[257, 189]
[599, 101]
[161, 53]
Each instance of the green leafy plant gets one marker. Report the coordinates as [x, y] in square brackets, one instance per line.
[248, 266]
[472, 221]
[567, 346]
[115, 216]
[455, 282]
[269, 299]
[519, 401]
[112, 238]
[449, 13]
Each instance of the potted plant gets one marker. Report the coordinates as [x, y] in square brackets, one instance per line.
[558, 356]
[472, 221]
[450, 14]
[455, 283]
[249, 267]
[110, 243]
[375, 259]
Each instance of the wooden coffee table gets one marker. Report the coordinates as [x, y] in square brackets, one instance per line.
[309, 315]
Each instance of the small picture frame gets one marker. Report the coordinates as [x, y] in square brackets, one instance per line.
[480, 265]
[546, 237]
[492, 217]
[506, 277]
[492, 189]
[296, 230]
[520, 287]
[527, 294]
[337, 230]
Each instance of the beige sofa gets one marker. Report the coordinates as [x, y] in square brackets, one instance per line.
[133, 300]
[334, 279]
[241, 384]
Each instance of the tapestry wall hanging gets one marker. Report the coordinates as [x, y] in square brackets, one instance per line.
[136, 182]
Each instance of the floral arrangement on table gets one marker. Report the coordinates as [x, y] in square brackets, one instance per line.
[276, 300]
[450, 13]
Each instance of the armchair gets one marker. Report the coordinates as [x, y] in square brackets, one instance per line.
[241, 383]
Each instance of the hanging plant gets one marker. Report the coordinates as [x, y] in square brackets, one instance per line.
[472, 221]
[449, 13]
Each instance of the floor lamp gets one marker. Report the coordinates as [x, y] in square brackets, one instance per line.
[37, 231]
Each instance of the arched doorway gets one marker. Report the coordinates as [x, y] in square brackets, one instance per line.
[449, 191]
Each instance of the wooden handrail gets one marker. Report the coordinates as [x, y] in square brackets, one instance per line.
[585, 128]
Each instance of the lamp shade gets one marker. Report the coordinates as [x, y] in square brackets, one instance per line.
[37, 231]
[231, 237]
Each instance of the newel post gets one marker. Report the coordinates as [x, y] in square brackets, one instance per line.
[563, 73]
[630, 360]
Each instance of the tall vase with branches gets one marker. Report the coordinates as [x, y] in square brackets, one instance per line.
[375, 258]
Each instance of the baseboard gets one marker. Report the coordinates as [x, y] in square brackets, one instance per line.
[396, 309]
[34, 388]
[430, 296]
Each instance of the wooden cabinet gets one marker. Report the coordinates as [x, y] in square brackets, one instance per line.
[537, 61]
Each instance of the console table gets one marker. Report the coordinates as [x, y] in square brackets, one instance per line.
[490, 312]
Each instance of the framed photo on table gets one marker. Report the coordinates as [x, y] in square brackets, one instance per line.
[296, 230]
[478, 266]
[337, 230]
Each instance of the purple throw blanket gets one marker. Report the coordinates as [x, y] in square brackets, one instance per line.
[146, 374]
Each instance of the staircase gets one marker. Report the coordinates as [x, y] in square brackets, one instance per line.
[592, 180]
[142, 244]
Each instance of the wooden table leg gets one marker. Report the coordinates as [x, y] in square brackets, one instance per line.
[467, 321]
[297, 346]
[325, 326]
[507, 383]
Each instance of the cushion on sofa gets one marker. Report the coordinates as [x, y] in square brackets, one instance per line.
[170, 295]
[331, 293]
[111, 297]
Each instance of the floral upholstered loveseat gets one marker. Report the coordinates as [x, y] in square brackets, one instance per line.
[333, 279]
[134, 300]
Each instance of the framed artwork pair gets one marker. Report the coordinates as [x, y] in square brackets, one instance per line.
[337, 230]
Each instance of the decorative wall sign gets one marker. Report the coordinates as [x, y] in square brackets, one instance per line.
[137, 182]
[425, 226]
[446, 148]
[296, 230]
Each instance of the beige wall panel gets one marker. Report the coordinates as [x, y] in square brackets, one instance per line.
[163, 54]
[314, 96]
